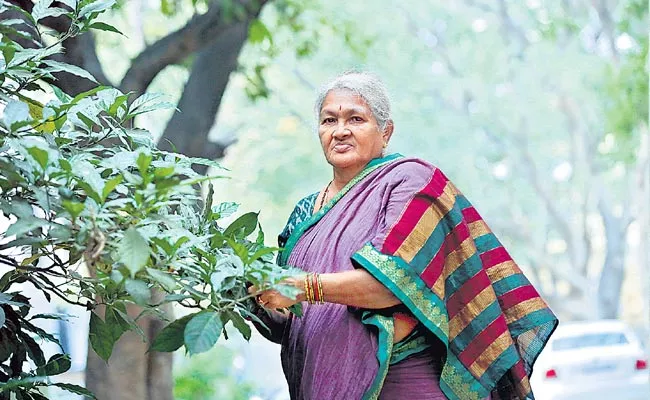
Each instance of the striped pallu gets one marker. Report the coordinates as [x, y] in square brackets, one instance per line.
[442, 260]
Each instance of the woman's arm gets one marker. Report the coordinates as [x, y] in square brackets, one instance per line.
[355, 288]
[275, 323]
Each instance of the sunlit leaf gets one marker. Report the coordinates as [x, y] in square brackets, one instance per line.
[164, 279]
[96, 6]
[202, 332]
[133, 251]
[57, 66]
[138, 290]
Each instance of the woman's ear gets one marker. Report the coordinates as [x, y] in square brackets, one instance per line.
[388, 131]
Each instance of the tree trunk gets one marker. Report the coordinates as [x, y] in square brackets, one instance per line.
[131, 373]
[188, 129]
[613, 273]
[80, 51]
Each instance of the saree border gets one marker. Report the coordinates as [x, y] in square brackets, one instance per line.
[386, 328]
[394, 273]
[302, 227]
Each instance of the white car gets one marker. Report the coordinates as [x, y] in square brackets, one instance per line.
[598, 360]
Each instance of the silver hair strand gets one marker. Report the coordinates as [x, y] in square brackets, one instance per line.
[368, 86]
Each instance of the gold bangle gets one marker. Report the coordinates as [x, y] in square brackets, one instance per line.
[320, 289]
[307, 288]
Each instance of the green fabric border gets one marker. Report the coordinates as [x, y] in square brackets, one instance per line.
[384, 350]
[406, 285]
[301, 228]
[402, 280]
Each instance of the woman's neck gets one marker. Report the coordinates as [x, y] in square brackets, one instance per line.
[342, 177]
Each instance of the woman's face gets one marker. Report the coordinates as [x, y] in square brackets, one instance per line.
[349, 133]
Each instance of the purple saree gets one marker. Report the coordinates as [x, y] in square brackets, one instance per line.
[336, 352]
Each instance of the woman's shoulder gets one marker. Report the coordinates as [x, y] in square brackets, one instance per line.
[306, 203]
[411, 169]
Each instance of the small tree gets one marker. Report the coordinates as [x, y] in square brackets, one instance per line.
[81, 188]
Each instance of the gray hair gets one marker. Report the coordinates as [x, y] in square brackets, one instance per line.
[368, 86]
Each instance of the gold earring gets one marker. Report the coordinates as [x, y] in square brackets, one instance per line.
[385, 144]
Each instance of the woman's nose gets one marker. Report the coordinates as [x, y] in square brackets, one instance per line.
[341, 132]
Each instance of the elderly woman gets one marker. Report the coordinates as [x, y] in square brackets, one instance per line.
[408, 294]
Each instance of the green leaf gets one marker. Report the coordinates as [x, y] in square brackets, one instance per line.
[33, 349]
[115, 323]
[96, 7]
[57, 364]
[296, 309]
[65, 165]
[8, 53]
[258, 32]
[164, 279]
[119, 102]
[242, 226]
[202, 332]
[15, 112]
[240, 250]
[224, 210]
[207, 207]
[226, 267]
[87, 121]
[163, 244]
[73, 208]
[57, 66]
[39, 155]
[87, 93]
[40, 9]
[133, 251]
[262, 252]
[75, 389]
[101, 337]
[139, 290]
[240, 324]
[6, 298]
[104, 27]
[24, 225]
[171, 338]
[143, 162]
[88, 177]
[110, 185]
[260, 235]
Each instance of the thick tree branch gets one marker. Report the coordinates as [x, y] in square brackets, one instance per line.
[188, 129]
[199, 32]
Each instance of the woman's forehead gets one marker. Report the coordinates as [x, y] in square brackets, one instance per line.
[344, 100]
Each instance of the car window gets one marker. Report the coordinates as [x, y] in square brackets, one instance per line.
[590, 340]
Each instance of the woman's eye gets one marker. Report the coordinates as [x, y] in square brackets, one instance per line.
[328, 120]
[357, 119]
